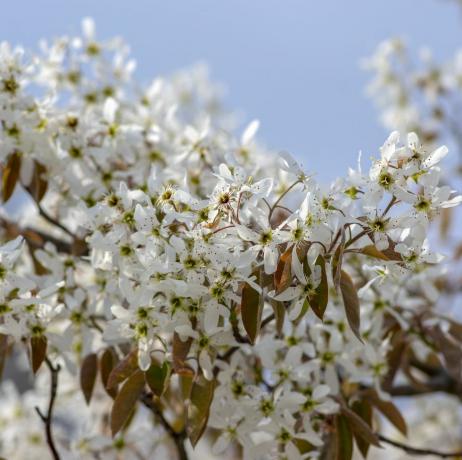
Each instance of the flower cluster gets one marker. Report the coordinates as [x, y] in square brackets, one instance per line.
[210, 280]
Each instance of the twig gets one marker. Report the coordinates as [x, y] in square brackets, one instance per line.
[48, 417]
[177, 437]
[53, 221]
[418, 451]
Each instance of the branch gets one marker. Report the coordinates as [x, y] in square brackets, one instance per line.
[418, 451]
[177, 438]
[48, 417]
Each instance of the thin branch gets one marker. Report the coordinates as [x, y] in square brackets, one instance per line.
[53, 221]
[418, 451]
[48, 417]
[177, 437]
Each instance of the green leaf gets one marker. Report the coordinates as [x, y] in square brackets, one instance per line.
[199, 408]
[107, 363]
[157, 377]
[38, 346]
[10, 175]
[126, 400]
[351, 302]
[88, 373]
[123, 369]
[251, 311]
[319, 301]
[343, 439]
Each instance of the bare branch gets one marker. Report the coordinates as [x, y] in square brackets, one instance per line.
[418, 451]
[48, 417]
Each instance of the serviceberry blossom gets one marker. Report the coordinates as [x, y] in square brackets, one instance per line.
[172, 267]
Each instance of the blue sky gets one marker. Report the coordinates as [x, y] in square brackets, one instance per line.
[293, 64]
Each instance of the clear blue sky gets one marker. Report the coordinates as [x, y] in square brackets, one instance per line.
[294, 64]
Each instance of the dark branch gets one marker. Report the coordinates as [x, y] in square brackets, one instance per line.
[48, 417]
[418, 451]
[177, 437]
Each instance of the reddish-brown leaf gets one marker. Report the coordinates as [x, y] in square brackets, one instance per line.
[364, 410]
[251, 311]
[107, 363]
[199, 408]
[126, 400]
[39, 184]
[318, 302]
[283, 273]
[180, 353]
[359, 427]
[351, 302]
[88, 373]
[3, 351]
[124, 369]
[10, 175]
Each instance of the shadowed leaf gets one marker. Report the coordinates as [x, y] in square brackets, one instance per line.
[88, 373]
[319, 301]
[38, 346]
[157, 377]
[107, 363]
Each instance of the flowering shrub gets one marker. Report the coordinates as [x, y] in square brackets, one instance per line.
[188, 284]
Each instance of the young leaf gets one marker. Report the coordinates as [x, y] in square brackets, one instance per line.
[38, 346]
[319, 301]
[359, 427]
[88, 373]
[123, 369]
[388, 409]
[283, 273]
[10, 175]
[343, 439]
[3, 351]
[199, 408]
[180, 353]
[351, 302]
[38, 185]
[107, 363]
[364, 410]
[126, 400]
[251, 311]
[157, 377]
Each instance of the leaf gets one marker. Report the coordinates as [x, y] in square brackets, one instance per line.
[319, 301]
[251, 311]
[359, 427]
[279, 313]
[283, 273]
[385, 254]
[10, 175]
[3, 352]
[157, 377]
[88, 373]
[364, 410]
[343, 439]
[337, 260]
[388, 409]
[123, 369]
[199, 408]
[107, 363]
[451, 351]
[180, 353]
[126, 400]
[351, 302]
[38, 185]
[38, 347]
